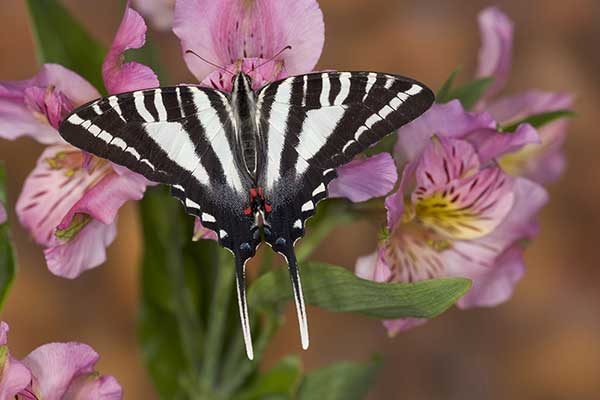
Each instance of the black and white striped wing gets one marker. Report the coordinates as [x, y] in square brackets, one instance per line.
[182, 136]
[314, 123]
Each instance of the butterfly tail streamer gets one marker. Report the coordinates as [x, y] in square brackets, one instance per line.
[298, 296]
[240, 278]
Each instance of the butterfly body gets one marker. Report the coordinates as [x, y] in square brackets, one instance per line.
[247, 157]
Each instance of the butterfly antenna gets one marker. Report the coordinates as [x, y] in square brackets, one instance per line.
[298, 296]
[288, 47]
[240, 279]
[209, 62]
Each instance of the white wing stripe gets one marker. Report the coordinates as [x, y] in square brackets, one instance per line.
[160, 106]
[140, 107]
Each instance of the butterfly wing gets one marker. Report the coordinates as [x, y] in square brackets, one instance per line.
[185, 137]
[312, 124]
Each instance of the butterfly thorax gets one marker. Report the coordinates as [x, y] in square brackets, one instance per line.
[243, 105]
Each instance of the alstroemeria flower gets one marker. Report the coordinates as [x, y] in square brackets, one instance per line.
[14, 376]
[225, 32]
[456, 213]
[68, 204]
[54, 371]
[244, 36]
[542, 162]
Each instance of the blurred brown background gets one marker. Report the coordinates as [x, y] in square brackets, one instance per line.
[543, 344]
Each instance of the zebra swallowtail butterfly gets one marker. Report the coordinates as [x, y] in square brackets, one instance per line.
[240, 159]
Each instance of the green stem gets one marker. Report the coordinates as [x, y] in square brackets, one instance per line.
[237, 369]
[213, 343]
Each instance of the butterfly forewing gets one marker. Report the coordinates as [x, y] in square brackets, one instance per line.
[181, 136]
[315, 123]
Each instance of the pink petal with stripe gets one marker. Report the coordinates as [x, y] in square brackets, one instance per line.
[54, 186]
[229, 30]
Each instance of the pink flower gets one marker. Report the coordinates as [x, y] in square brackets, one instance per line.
[544, 161]
[234, 30]
[54, 371]
[456, 213]
[14, 376]
[70, 205]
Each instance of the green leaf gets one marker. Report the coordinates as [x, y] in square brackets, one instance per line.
[538, 120]
[337, 289]
[470, 93]
[175, 272]
[443, 95]
[61, 39]
[8, 265]
[281, 381]
[339, 381]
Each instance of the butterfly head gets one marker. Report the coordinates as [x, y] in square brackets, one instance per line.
[241, 82]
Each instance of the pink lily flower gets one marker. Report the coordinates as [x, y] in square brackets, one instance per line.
[54, 371]
[70, 205]
[542, 162]
[249, 37]
[456, 213]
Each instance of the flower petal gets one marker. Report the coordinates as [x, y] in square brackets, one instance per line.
[394, 203]
[448, 120]
[491, 144]
[123, 77]
[55, 365]
[543, 162]
[14, 376]
[513, 108]
[443, 161]
[30, 107]
[494, 257]
[373, 267]
[495, 54]
[395, 326]
[84, 251]
[363, 179]
[495, 286]
[17, 120]
[94, 387]
[55, 185]
[234, 29]
[103, 200]
[200, 232]
[467, 208]
[160, 12]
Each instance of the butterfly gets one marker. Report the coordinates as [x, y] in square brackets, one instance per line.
[247, 160]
